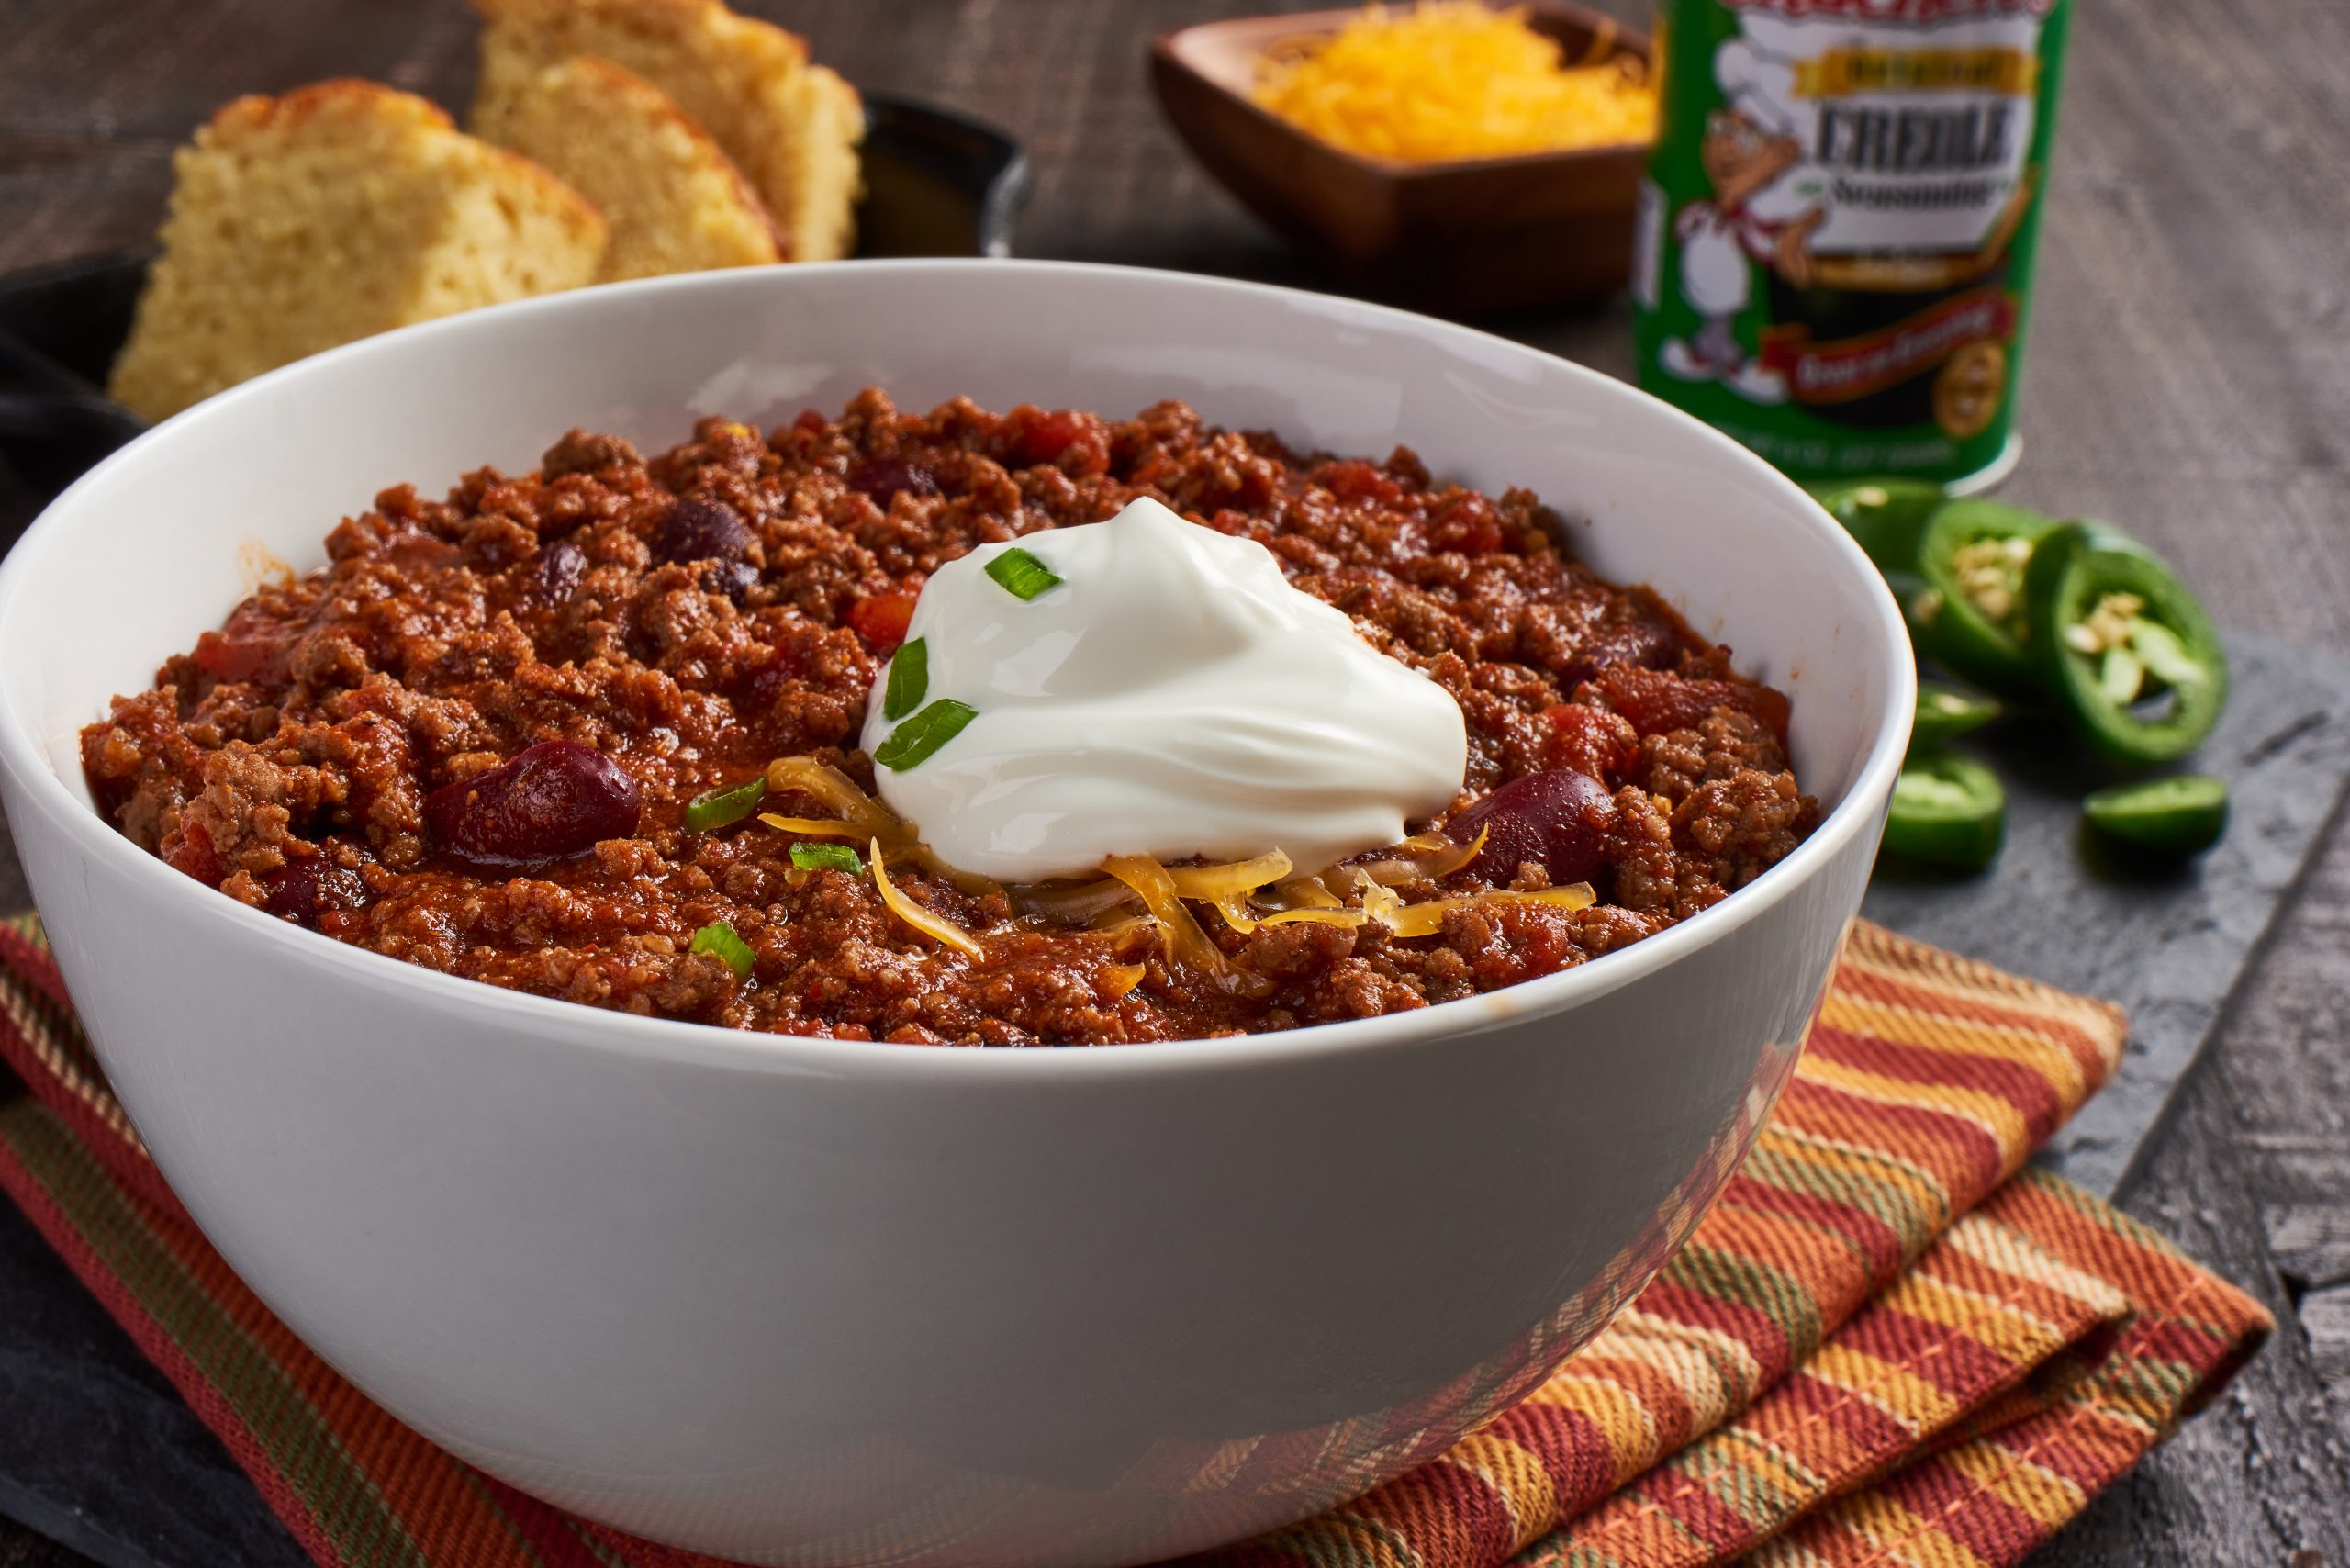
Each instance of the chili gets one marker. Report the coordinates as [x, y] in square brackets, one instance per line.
[1944, 711]
[2123, 646]
[2169, 817]
[1887, 517]
[1947, 811]
[1969, 616]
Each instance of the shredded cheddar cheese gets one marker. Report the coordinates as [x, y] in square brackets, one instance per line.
[938, 927]
[1245, 895]
[1250, 893]
[836, 790]
[1452, 79]
[812, 827]
[1430, 858]
[1185, 940]
[1427, 919]
[861, 816]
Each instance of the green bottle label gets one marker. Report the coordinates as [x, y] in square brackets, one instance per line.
[1835, 240]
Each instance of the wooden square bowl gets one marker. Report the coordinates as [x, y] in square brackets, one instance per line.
[1469, 237]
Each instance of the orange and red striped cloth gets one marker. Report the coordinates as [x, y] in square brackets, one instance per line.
[1890, 1345]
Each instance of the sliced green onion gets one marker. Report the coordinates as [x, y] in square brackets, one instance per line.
[730, 804]
[1023, 574]
[911, 743]
[909, 679]
[720, 939]
[827, 857]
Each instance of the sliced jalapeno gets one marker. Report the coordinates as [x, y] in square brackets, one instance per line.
[2180, 816]
[2123, 646]
[1944, 711]
[1947, 811]
[1969, 616]
[1887, 517]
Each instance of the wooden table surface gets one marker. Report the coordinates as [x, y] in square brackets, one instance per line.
[2189, 374]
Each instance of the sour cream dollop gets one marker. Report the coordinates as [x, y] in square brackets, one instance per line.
[1172, 696]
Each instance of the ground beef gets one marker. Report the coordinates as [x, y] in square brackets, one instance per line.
[678, 622]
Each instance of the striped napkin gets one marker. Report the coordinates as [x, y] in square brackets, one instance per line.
[1890, 1345]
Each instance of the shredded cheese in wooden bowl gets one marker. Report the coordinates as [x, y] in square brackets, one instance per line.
[1454, 79]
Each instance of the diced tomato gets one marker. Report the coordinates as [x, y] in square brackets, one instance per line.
[237, 655]
[1044, 437]
[768, 680]
[881, 619]
[1352, 479]
[190, 851]
[1589, 740]
[1656, 700]
[1076, 442]
[1469, 524]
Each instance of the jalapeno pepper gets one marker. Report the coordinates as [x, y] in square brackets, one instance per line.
[2122, 645]
[1947, 811]
[1887, 517]
[2180, 816]
[1944, 711]
[1969, 616]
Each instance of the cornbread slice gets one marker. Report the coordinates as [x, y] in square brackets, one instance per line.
[675, 203]
[791, 126]
[335, 211]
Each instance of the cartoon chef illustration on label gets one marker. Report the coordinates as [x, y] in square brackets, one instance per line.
[1764, 208]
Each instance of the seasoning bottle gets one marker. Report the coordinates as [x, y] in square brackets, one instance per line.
[1834, 251]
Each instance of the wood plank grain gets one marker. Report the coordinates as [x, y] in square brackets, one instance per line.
[2265, 1473]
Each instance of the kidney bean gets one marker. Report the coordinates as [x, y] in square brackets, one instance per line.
[696, 530]
[306, 888]
[1643, 645]
[881, 478]
[555, 572]
[732, 578]
[553, 801]
[1657, 701]
[1558, 818]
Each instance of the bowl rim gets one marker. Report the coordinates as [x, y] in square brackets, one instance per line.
[24, 765]
[1168, 49]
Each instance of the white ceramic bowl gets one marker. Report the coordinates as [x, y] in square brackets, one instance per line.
[805, 1302]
